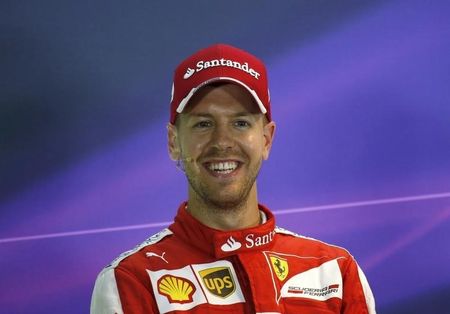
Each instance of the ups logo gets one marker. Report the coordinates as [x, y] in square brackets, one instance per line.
[218, 280]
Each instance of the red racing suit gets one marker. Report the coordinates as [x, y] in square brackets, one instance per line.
[191, 268]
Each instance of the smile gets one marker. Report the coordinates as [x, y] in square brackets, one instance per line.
[225, 167]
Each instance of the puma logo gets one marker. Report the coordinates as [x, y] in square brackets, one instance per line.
[151, 254]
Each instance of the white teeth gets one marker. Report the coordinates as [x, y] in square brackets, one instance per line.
[223, 167]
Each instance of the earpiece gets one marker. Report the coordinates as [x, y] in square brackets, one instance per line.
[188, 159]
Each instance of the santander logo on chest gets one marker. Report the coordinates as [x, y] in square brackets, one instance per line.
[239, 241]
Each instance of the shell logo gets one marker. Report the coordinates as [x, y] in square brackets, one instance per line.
[176, 289]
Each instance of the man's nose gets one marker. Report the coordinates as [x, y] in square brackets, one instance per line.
[222, 137]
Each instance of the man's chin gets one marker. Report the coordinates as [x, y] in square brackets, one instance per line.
[226, 204]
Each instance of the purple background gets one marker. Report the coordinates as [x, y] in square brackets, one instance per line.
[360, 93]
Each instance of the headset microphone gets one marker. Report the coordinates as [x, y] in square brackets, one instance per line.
[180, 162]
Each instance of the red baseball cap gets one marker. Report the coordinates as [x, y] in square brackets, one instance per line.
[219, 62]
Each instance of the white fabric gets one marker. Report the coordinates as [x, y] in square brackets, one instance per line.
[370, 300]
[106, 299]
[184, 102]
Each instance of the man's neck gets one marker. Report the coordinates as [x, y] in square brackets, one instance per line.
[245, 215]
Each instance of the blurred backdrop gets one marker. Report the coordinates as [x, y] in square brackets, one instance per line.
[360, 92]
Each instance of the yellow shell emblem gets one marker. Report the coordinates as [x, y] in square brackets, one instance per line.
[176, 289]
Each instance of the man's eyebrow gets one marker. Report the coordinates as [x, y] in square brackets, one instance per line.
[243, 114]
[200, 114]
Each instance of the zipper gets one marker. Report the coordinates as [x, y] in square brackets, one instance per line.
[249, 305]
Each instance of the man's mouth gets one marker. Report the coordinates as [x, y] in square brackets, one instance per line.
[224, 167]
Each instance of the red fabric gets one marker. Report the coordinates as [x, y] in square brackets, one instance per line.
[283, 274]
[215, 63]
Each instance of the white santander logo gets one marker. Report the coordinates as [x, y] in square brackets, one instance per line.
[188, 73]
[231, 245]
[252, 240]
[201, 65]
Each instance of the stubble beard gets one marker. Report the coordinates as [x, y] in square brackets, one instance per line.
[229, 203]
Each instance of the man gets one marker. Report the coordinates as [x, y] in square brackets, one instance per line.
[223, 253]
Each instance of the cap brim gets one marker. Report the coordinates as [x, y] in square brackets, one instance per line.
[183, 103]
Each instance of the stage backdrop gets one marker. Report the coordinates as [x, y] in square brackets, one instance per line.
[360, 94]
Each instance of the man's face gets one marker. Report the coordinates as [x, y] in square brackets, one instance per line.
[222, 138]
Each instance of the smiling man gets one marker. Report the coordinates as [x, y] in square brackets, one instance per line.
[223, 253]
[222, 138]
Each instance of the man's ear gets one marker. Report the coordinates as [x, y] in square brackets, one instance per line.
[172, 141]
[268, 133]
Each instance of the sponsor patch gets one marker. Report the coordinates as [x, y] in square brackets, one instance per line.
[314, 291]
[280, 266]
[184, 288]
[231, 245]
[202, 65]
[176, 289]
[295, 276]
[218, 281]
[319, 283]
[153, 254]
[252, 240]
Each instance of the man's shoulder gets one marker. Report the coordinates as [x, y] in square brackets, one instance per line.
[310, 245]
[138, 252]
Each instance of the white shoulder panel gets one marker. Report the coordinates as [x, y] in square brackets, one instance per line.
[152, 240]
[284, 231]
[105, 298]
[370, 300]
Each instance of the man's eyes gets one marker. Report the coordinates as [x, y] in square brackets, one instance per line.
[207, 124]
[242, 124]
[203, 124]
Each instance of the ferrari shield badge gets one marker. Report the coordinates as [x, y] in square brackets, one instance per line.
[280, 266]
